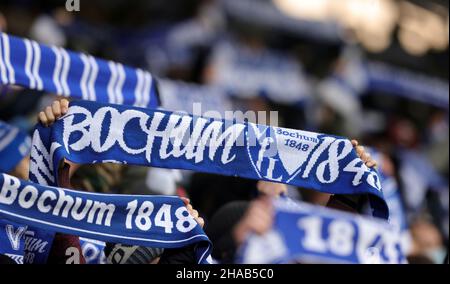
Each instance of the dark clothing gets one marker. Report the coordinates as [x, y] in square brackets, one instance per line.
[129, 254]
[209, 192]
[66, 249]
[220, 229]
[6, 260]
[184, 255]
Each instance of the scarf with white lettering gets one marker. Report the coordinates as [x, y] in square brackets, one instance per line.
[55, 70]
[392, 194]
[154, 221]
[246, 73]
[14, 146]
[199, 100]
[313, 234]
[97, 133]
[12, 240]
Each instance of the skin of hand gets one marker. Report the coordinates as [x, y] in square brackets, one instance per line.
[46, 117]
[49, 115]
[193, 212]
[273, 189]
[363, 155]
[258, 219]
[59, 108]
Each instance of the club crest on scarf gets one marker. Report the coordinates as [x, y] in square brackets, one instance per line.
[95, 133]
[281, 154]
[277, 153]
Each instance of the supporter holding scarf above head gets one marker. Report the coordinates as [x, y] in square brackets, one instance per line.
[67, 170]
[231, 225]
[234, 222]
[103, 178]
[14, 160]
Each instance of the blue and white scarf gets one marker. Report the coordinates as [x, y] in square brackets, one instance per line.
[247, 74]
[194, 99]
[155, 221]
[55, 70]
[398, 81]
[392, 194]
[14, 146]
[314, 234]
[397, 214]
[38, 243]
[12, 240]
[359, 77]
[97, 133]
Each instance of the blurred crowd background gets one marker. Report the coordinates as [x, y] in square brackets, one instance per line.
[374, 70]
